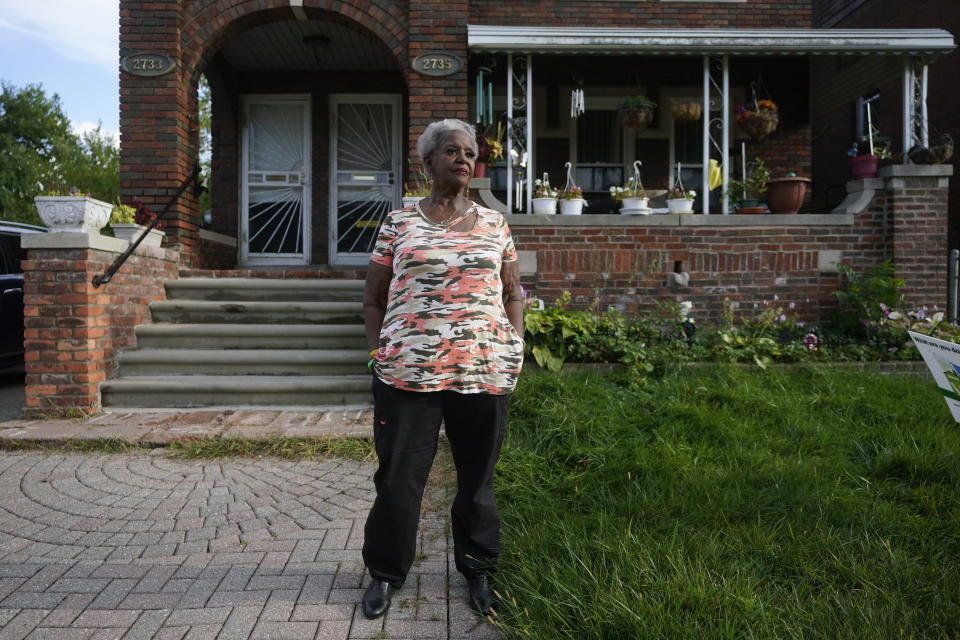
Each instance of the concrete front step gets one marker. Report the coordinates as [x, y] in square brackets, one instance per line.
[258, 312]
[243, 362]
[236, 391]
[251, 336]
[261, 289]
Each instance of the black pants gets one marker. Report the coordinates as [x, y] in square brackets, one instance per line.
[405, 430]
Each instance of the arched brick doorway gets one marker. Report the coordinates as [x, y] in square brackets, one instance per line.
[277, 67]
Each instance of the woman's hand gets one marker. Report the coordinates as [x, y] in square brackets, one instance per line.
[512, 294]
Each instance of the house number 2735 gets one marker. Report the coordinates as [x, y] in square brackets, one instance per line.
[437, 63]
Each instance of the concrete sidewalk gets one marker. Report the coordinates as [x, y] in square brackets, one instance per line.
[141, 545]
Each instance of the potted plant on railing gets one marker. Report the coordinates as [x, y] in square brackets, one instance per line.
[746, 195]
[571, 196]
[74, 212]
[571, 201]
[866, 153]
[632, 197]
[129, 223]
[786, 194]
[680, 200]
[489, 149]
[418, 188]
[636, 111]
[758, 118]
[544, 196]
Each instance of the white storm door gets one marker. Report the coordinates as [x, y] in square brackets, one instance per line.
[365, 172]
[275, 176]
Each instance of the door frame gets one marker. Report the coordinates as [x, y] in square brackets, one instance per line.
[336, 99]
[243, 244]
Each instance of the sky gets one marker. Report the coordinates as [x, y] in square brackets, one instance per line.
[69, 47]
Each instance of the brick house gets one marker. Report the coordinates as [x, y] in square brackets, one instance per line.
[316, 107]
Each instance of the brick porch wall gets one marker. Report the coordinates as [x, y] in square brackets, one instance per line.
[73, 331]
[746, 259]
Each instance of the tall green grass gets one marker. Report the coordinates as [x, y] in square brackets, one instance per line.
[730, 503]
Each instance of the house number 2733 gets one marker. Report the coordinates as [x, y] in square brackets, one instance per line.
[437, 63]
[147, 64]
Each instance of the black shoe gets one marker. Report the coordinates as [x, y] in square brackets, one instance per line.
[481, 595]
[376, 599]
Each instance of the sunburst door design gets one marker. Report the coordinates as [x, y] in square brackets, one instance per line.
[365, 151]
[276, 203]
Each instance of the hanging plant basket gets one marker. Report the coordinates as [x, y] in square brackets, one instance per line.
[687, 112]
[759, 125]
[634, 119]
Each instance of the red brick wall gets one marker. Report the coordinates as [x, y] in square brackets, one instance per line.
[436, 25]
[918, 211]
[627, 266]
[73, 331]
[752, 14]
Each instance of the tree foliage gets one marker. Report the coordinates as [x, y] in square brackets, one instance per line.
[39, 154]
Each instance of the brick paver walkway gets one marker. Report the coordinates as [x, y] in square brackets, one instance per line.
[141, 545]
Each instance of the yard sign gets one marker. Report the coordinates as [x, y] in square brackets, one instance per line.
[943, 359]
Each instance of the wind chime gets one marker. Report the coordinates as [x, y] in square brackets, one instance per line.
[577, 106]
[484, 98]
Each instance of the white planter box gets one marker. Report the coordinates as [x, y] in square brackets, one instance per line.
[76, 214]
[680, 205]
[544, 205]
[572, 207]
[131, 232]
[410, 200]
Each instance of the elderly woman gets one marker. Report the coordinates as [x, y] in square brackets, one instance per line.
[444, 320]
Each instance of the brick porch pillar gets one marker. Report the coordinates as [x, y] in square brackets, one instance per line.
[436, 26]
[159, 137]
[73, 331]
[916, 205]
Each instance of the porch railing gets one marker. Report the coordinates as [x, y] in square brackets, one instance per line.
[194, 179]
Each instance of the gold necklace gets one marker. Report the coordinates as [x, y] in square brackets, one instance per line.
[456, 218]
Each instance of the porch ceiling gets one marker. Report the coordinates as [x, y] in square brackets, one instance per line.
[505, 39]
[299, 45]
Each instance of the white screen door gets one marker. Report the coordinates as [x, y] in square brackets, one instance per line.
[365, 171]
[275, 194]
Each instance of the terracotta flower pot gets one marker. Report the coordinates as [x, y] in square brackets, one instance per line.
[785, 195]
[480, 169]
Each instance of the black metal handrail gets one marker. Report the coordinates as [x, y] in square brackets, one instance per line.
[105, 278]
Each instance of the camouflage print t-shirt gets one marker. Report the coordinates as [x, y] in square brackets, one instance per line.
[445, 326]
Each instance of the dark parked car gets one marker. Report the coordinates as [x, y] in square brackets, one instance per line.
[11, 284]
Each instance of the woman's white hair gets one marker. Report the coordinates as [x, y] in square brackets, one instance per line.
[431, 138]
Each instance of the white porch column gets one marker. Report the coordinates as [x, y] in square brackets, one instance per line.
[916, 125]
[725, 137]
[529, 125]
[705, 182]
[907, 109]
[723, 147]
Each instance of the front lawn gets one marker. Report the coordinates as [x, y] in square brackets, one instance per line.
[811, 502]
